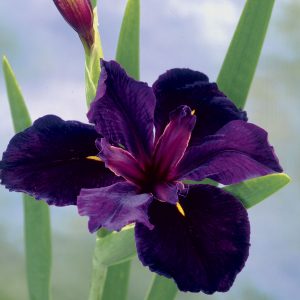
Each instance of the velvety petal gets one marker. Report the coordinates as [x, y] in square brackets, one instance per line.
[120, 161]
[168, 191]
[53, 159]
[114, 207]
[174, 141]
[237, 152]
[202, 245]
[186, 87]
[123, 110]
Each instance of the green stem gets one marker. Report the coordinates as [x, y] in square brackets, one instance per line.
[99, 272]
[117, 279]
[96, 288]
[98, 280]
[92, 62]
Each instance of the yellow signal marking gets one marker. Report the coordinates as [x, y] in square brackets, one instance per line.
[180, 209]
[94, 158]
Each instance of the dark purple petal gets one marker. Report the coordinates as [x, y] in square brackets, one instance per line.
[203, 247]
[174, 141]
[237, 152]
[120, 161]
[186, 87]
[53, 159]
[114, 207]
[123, 110]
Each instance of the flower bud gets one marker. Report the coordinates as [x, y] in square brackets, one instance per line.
[79, 14]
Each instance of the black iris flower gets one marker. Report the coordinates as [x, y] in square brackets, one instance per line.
[134, 163]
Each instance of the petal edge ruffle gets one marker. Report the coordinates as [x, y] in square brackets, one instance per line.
[53, 160]
[114, 207]
[203, 250]
[178, 87]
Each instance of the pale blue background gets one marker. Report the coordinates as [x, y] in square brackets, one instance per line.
[48, 60]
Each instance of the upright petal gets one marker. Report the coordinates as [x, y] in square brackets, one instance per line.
[186, 87]
[114, 207]
[202, 244]
[237, 152]
[174, 141]
[53, 159]
[123, 110]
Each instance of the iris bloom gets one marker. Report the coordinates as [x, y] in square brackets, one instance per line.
[132, 165]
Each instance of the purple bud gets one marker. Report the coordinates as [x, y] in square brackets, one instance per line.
[79, 14]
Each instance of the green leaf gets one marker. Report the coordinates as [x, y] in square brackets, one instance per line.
[38, 248]
[98, 279]
[112, 283]
[18, 109]
[162, 288]
[204, 181]
[235, 79]
[253, 191]
[108, 248]
[129, 40]
[117, 281]
[111, 264]
[94, 3]
[36, 213]
[242, 57]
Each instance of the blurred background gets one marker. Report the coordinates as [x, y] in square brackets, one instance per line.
[48, 60]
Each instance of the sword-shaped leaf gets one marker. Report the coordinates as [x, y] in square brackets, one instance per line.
[36, 213]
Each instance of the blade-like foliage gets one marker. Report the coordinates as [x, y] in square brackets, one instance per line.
[94, 3]
[18, 109]
[242, 57]
[109, 250]
[253, 191]
[117, 280]
[36, 214]
[162, 288]
[129, 40]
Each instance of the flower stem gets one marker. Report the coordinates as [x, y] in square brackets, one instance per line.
[92, 62]
[98, 280]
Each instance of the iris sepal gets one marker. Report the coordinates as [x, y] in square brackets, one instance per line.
[50, 161]
[114, 207]
[203, 250]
